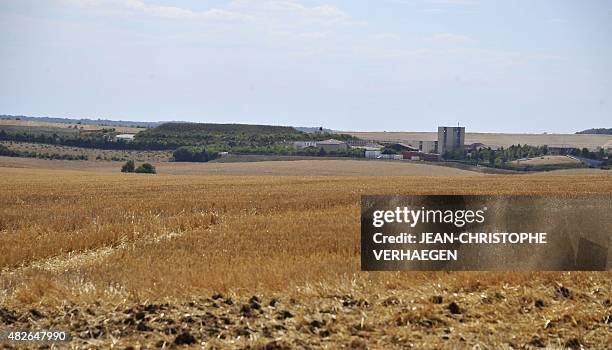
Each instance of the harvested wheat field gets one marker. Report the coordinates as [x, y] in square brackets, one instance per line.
[147, 261]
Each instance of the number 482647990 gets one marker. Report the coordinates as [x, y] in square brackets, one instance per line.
[36, 336]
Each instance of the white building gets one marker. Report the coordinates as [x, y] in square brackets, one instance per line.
[125, 137]
[304, 144]
[372, 154]
[391, 156]
[332, 145]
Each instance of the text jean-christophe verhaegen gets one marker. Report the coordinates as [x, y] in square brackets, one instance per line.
[485, 232]
[411, 217]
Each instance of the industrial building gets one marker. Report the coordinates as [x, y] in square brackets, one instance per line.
[450, 138]
[428, 146]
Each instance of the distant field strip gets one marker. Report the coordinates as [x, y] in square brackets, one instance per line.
[497, 139]
[33, 126]
[315, 167]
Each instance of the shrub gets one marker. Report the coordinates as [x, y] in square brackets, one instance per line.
[192, 154]
[146, 168]
[128, 167]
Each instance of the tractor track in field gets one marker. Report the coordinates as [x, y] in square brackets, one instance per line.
[74, 260]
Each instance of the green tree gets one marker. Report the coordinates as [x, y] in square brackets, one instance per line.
[146, 168]
[193, 154]
[128, 167]
[585, 152]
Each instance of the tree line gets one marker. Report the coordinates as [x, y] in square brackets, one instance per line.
[93, 140]
[500, 157]
[7, 152]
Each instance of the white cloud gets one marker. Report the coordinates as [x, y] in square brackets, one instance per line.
[386, 37]
[313, 35]
[275, 11]
[437, 2]
[450, 38]
[453, 2]
[432, 10]
[268, 13]
[169, 12]
[327, 11]
[556, 20]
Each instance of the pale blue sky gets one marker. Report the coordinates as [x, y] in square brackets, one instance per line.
[512, 66]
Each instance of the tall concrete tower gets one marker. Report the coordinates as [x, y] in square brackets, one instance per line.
[450, 138]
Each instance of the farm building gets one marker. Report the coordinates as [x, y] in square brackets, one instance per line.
[366, 146]
[417, 155]
[332, 145]
[402, 146]
[427, 146]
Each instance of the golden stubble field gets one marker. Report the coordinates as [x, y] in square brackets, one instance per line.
[265, 262]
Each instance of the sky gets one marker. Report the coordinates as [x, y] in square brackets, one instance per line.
[385, 65]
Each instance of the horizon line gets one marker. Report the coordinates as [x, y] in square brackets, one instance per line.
[468, 131]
